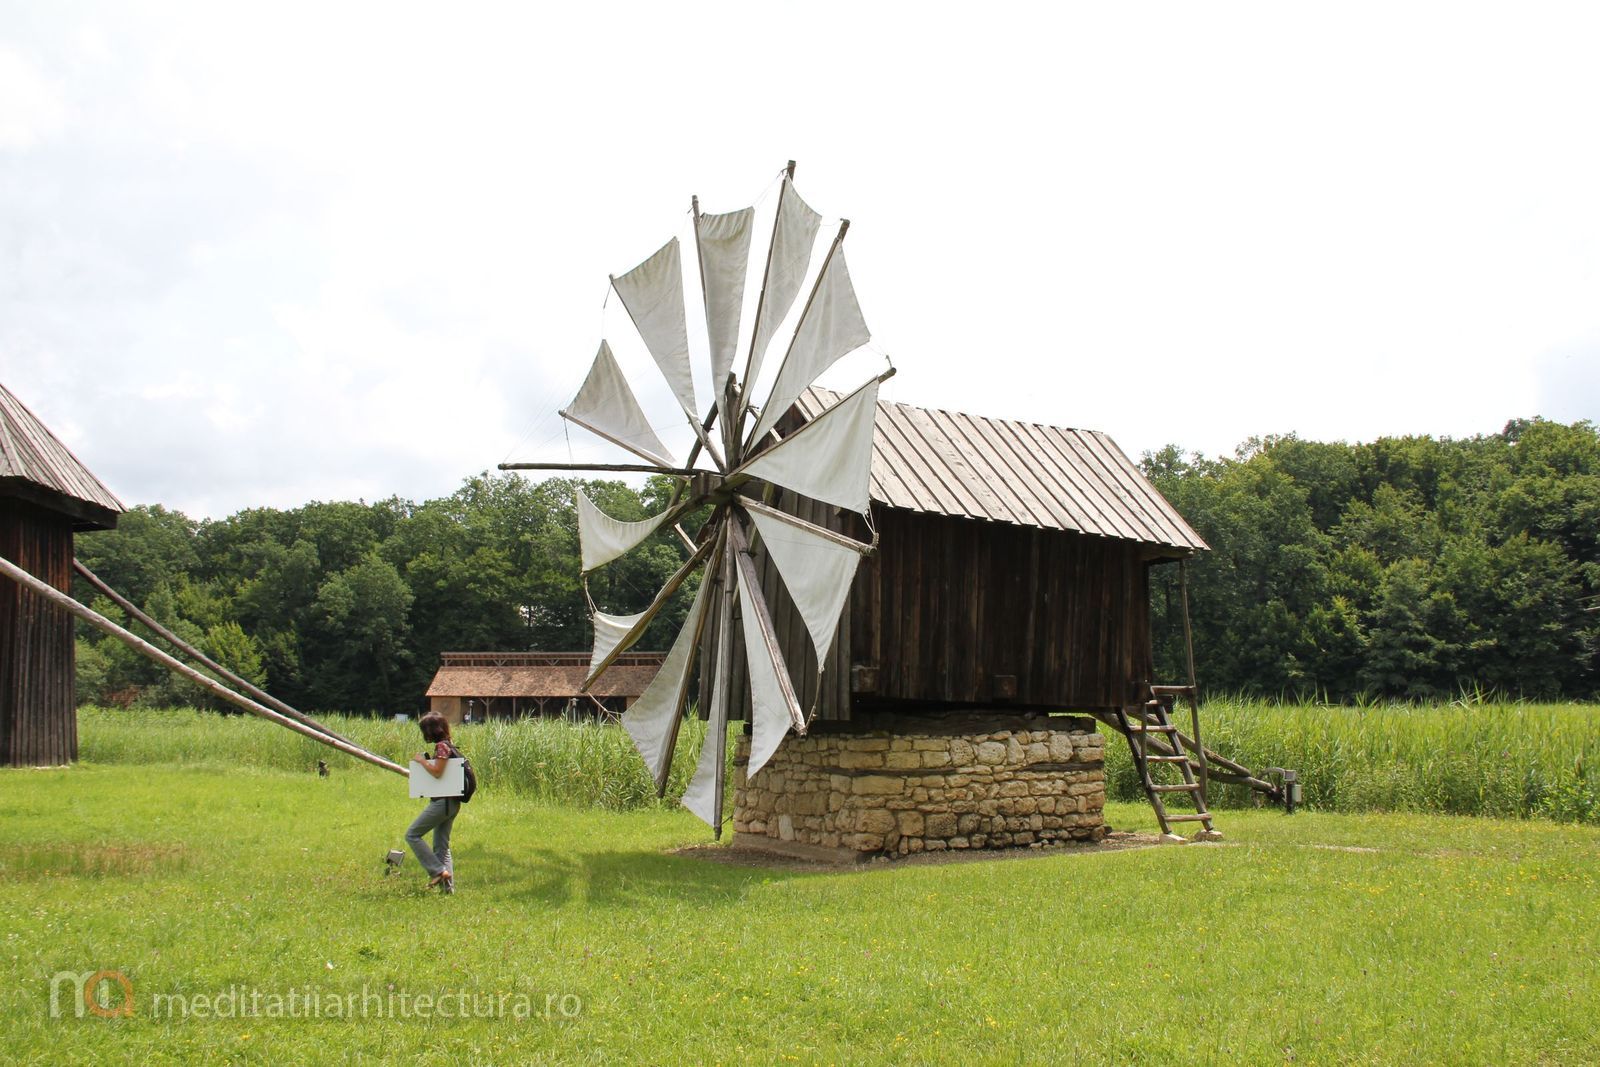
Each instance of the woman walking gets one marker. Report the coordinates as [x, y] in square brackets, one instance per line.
[440, 814]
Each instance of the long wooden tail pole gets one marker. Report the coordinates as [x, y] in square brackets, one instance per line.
[195, 654]
[145, 648]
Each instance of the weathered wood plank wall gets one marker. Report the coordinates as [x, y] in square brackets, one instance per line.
[951, 611]
[955, 612]
[38, 720]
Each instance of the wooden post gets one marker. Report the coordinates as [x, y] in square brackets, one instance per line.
[1194, 692]
[145, 648]
[717, 725]
[1188, 635]
[761, 303]
[844, 228]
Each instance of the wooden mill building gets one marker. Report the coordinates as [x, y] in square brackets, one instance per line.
[1012, 572]
[1003, 618]
[46, 495]
[508, 685]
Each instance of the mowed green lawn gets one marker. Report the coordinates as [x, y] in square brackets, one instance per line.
[1316, 938]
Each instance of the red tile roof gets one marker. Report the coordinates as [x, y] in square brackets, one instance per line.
[515, 681]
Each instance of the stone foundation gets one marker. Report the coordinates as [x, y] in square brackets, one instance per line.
[857, 795]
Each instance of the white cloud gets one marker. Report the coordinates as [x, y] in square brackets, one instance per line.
[257, 258]
[31, 109]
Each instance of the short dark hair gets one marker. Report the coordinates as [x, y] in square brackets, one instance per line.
[435, 727]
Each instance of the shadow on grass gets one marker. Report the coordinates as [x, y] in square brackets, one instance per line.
[621, 879]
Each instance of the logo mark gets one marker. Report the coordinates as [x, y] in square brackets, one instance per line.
[85, 988]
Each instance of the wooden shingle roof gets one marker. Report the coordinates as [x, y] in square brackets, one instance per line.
[534, 674]
[36, 466]
[1022, 473]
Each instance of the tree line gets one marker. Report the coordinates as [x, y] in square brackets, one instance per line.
[346, 606]
[1412, 567]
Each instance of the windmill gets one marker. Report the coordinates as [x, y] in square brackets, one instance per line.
[827, 459]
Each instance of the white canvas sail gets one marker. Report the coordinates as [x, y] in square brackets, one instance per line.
[826, 461]
[701, 795]
[769, 712]
[794, 232]
[602, 539]
[609, 630]
[650, 719]
[817, 573]
[653, 294]
[829, 458]
[724, 258]
[605, 404]
[831, 327]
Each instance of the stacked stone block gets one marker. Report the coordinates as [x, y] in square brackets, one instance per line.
[896, 794]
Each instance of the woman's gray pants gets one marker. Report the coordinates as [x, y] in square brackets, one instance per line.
[438, 817]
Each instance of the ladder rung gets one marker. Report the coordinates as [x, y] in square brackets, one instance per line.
[1187, 787]
[1152, 728]
[1188, 818]
[1172, 690]
[1167, 759]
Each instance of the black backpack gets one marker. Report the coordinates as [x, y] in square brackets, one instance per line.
[469, 784]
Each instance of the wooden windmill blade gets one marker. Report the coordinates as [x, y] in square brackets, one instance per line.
[827, 460]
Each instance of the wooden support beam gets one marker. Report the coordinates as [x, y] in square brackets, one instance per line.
[809, 527]
[621, 468]
[211, 685]
[647, 456]
[194, 653]
[717, 725]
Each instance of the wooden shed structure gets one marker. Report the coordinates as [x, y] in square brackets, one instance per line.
[508, 685]
[46, 495]
[1012, 572]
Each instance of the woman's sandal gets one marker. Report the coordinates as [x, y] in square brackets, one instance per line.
[442, 878]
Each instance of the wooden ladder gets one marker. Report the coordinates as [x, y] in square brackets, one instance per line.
[1153, 717]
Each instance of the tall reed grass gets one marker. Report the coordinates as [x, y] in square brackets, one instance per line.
[1469, 757]
[580, 763]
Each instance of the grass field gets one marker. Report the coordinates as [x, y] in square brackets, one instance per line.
[1316, 938]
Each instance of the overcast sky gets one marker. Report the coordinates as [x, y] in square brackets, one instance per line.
[258, 255]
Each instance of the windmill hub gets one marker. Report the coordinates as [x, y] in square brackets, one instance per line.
[710, 488]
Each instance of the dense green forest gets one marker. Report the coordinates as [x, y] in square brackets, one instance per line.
[1408, 567]
[346, 606]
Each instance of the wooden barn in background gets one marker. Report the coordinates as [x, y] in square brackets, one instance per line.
[45, 496]
[1012, 573]
[509, 685]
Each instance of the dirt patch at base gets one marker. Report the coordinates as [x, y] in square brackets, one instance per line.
[740, 856]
